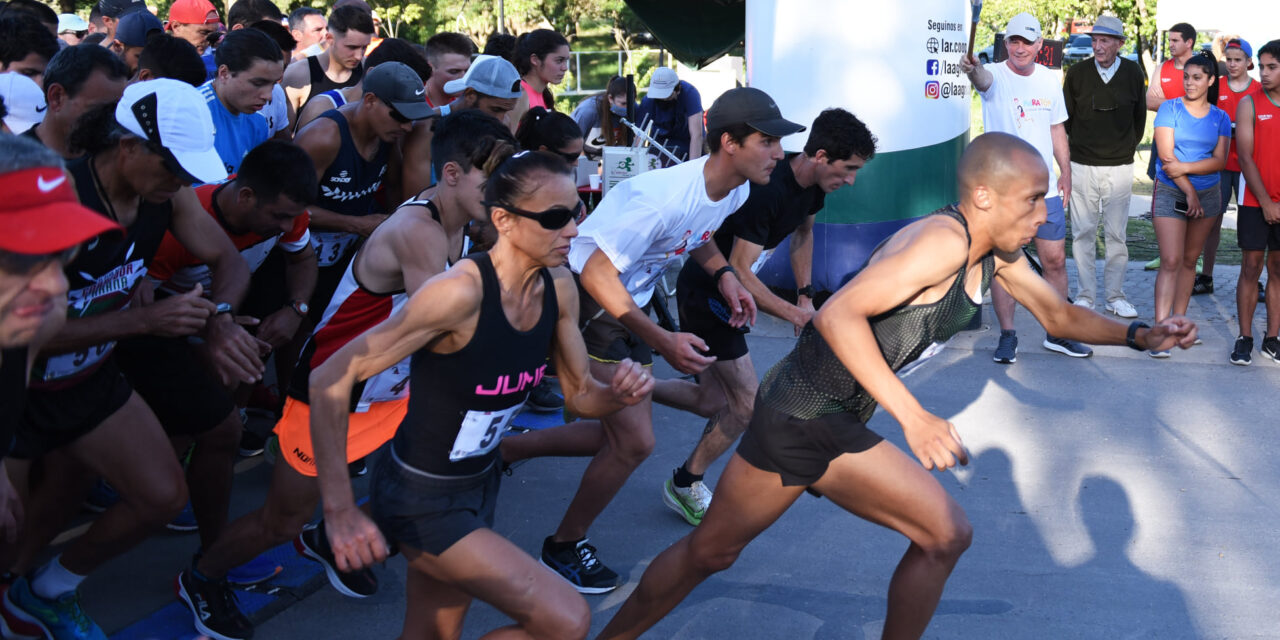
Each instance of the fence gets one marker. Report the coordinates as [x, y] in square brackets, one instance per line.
[602, 65]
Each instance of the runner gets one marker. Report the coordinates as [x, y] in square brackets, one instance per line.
[350, 30]
[642, 227]
[479, 336]
[839, 145]
[419, 241]
[809, 432]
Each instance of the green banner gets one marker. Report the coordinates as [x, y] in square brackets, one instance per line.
[899, 185]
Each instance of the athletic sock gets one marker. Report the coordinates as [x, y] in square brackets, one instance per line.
[683, 479]
[53, 580]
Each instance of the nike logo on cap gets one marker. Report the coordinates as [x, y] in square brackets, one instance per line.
[46, 186]
[41, 109]
[420, 92]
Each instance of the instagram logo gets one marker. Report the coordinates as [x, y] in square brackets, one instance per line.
[932, 89]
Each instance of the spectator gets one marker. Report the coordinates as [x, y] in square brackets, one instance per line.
[194, 21]
[132, 33]
[78, 80]
[168, 57]
[490, 84]
[309, 28]
[450, 56]
[72, 29]
[276, 111]
[1192, 136]
[542, 58]
[1106, 117]
[1023, 98]
[250, 63]
[599, 117]
[25, 45]
[1167, 85]
[24, 103]
[674, 107]
[113, 10]
[350, 29]
[1257, 138]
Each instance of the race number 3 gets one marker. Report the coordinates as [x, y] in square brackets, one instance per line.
[481, 431]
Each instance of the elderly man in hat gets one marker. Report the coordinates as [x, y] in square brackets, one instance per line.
[1106, 113]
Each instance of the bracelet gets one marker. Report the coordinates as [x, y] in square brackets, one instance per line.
[1131, 338]
[728, 268]
[806, 291]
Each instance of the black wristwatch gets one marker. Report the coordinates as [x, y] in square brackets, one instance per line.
[806, 291]
[223, 307]
[1131, 338]
[299, 307]
[728, 268]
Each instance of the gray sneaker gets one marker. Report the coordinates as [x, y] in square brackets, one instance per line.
[1067, 347]
[1007, 348]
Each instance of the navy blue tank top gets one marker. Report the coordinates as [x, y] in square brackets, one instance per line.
[462, 402]
[348, 185]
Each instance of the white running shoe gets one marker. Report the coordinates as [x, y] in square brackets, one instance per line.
[1122, 308]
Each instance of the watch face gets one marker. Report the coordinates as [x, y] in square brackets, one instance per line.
[301, 307]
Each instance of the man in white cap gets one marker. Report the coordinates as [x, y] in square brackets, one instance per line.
[23, 102]
[491, 84]
[1024, 99]
[1106, 113]
[674, 108]
[72, 29]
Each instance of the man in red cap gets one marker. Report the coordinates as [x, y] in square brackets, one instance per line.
[193, 21]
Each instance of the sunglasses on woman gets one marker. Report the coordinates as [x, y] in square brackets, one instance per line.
[553, 218]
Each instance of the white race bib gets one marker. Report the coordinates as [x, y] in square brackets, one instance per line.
[391, 384]
[481, 431]
[929, 352]
[330, 246]
[65, 365]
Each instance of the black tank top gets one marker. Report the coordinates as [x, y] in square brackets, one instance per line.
[321, 83]
[462, 402]
[348, 185]
[811, 381]
[13, 393]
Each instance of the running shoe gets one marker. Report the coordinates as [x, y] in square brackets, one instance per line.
[1203, 285]
[1066, 347]
[313, 543]
[1122, 309]
[251, 443]
[213, 607]
[1007, 348]
[580, 566]
[1083, 302]
[357, 469]
[1271, 348]
[101, 497]
[185, 521]
[255, 571]
[11, 626]
[544, 399]
[1162, 354]
[58, 619]
[690, 502]
[1152, 265]
[1242, 353]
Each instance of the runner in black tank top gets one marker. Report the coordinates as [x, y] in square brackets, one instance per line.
[919, 287]
[320, 81]
[479, 334]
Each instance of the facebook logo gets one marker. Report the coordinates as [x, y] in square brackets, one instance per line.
[932, 67]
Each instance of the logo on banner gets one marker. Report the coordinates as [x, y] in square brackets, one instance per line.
[932, 67]
[932, 45]
[932, 89]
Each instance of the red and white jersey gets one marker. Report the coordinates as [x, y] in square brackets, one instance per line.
[178, 271]
[1229, 101]
[1266, 142]
[1170, 78]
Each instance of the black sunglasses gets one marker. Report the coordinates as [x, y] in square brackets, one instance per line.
[553, 218]
[395, 115]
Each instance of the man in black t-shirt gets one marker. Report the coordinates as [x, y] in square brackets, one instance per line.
[839, 145]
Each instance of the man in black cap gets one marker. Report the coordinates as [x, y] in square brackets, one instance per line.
[113, 10]
[645, 225]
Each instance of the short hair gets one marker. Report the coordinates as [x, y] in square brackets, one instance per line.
[298, 18]
[166, 56]
[277, 32]
[1185, 30]
[96, 38]
[20, 152]
[842, 135]
[39, 10]
[539, 42]
[349, 17]
[95, 16]
[246, 12]
[71, 67]
[275, 168]
[738, 132]
[1272, 49]
[241, 47]
[22, 34]
[449, 42]
[397, 50]
[470, 138]
[542, 128]
[502, 45]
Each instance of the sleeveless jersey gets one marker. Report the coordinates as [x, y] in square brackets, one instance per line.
[347, 187]
[321, 83]
[102, 277]
[1171, 80]
[13, 393]
[465, 400]
[1229, 101]
[536, 99]
[1266, 139]
[811, 381]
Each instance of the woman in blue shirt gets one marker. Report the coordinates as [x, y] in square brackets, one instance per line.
[1191, 138]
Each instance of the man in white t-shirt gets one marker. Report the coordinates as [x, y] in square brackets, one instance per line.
[642, 228]
[1023, 98]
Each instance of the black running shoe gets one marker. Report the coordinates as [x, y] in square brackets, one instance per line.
[357, 469]
[580, 566]
[544, 399]
[1203, 285]
[314, 544]
[213, 607]
[251, 443]
[1271, 348]
[1242, 353]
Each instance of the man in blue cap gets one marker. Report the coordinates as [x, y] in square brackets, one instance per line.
[132, 32]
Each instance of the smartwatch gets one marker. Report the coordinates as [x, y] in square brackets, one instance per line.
[301, 308]
[223, 307]
[728, 268]
[1131, 338]
[806, 291]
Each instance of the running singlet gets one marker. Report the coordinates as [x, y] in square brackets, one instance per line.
[811, 381]
[1229, 101]
[536, 99]
[1171, 81]
[1266, 139]
[347, 187]
[102, 277]
[321, 83]
[464, 401]
[179, 271]
[13, 393]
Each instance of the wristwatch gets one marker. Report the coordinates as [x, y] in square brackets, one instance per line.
[301, 308]
[1131, 338]
[223, 307]
[723, 270]
[806, 291]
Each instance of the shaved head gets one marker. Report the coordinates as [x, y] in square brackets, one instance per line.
[993, 159]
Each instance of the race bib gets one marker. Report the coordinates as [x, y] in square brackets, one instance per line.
[330, 246]
[392, 384]
[481, 431]
[929, 352]
[764, 257]
[65, 365]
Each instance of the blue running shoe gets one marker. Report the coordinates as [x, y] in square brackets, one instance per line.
[255, 571]
[185, 520]
[60, 619]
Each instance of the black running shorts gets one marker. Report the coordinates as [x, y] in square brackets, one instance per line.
[176, 383]
[53, 419]
[1253, 233]
[429, 512]
[697, 317]
[606, 339]
[800, 450]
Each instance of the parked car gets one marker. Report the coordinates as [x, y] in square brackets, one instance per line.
[1078, 47]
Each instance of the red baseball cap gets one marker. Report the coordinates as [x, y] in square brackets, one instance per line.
[193, 12]
[40, 213]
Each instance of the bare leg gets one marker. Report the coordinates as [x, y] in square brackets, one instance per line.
[291, 502]
[1004, 305]
[736, 380]
[1247, 289]
[1053, 259]
[576, 439]
[1171, 236]
[210, 474]
[50, 499]
[442, 617]
[1211, 245]
[748, 500]
[1273, 293]
[699, 398]
[1197, 230]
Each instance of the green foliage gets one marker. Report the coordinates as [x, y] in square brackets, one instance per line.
[1055, 18]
